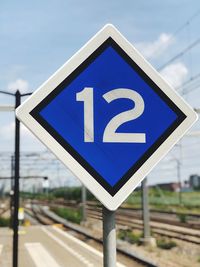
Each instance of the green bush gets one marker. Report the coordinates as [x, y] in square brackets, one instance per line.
[129, 236]
[166, 244]
[69, 214]
[71, 193]
[38, 196]
[4, 222]
[67, 193]
[182, 217]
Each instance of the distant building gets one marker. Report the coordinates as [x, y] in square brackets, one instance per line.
[174, 187]
[194, 181]
[186, 187]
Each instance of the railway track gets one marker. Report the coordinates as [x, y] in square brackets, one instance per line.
[127, 218]
[36, 214]
[158, 228]
[46, 217]
[172, 218]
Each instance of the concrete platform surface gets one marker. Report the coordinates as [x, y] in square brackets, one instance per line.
[48, 246]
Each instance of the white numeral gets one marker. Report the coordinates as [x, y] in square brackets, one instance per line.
[110, 134]
[87, 97]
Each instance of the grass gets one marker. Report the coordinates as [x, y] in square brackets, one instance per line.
[167, 200]
[69, 214]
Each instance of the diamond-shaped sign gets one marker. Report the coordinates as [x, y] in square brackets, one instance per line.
[108, 116]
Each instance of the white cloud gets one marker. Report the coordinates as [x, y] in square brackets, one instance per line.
[20, 84]
[175, 74]
[157, 47]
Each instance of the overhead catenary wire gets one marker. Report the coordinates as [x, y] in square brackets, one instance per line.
[183, 26]
[190, 80]
[180, 54]
[180, 29]
[192, 89]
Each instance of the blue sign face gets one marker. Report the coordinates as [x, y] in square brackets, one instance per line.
[109, 115]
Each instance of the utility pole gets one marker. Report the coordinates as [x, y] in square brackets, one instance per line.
[179, 180]
[84, 199]
[11, 191]
[17, 96]
[147, 239]
[145, 209]
[16, 183]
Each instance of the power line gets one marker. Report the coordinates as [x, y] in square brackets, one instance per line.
[180, 54]
[190, 80]
[183, 26]
[191, 89]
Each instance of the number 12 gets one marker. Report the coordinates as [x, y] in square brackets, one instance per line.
[110, 135]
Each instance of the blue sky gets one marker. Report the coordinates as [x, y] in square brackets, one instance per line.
[37, 37]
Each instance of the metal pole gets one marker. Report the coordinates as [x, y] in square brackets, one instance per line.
[179, 181]
[11, 191]
[109, 238]
[84, 199]
[145, 211]
[16, 183]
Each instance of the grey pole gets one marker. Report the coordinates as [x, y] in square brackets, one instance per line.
[84, 199]
[145, 211]
[109, 238]
[179, 181]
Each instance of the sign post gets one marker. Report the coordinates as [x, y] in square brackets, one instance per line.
[108, 115]
[109, 238]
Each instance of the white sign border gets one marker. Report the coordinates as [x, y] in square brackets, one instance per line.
[23, 114]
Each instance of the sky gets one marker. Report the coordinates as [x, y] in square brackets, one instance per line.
[37, 37]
